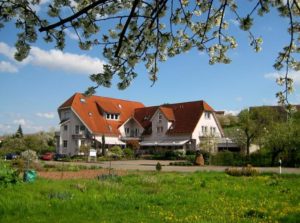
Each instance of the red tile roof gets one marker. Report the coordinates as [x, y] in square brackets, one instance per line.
[168, 112]
[89, 111]
[186, 116]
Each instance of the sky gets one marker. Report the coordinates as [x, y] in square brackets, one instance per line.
[32, 90]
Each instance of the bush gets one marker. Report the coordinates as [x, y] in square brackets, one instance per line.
[8, 175]
[186, 163]
[244, 171]
[190, 158]
[190, 152]
[116, 151]
[158, 166]
[128, 153]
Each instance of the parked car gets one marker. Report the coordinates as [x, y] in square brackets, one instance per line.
[59, 157]
[11, 156]
[47, 156]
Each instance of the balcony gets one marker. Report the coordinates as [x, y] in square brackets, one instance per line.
[130, 137]
[79, 136]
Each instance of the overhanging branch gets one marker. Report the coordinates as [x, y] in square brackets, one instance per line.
[74, 16]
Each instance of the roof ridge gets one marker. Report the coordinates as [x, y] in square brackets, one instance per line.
[185, 102]
[110, 98]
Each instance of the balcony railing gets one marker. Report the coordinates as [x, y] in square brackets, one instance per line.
[79, 136]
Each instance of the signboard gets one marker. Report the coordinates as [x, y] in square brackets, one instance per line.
[93, 153]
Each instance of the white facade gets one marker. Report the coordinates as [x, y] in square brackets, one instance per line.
[72, 133]
[206, 126]
[131, 129]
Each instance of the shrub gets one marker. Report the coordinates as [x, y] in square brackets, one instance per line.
[128, 153]
[133, 144]
[190, 158]
[116, 151]
[186, 163]
[190, 152]
[249, 171]
[8, 175]
[244, 171]
[158, 166]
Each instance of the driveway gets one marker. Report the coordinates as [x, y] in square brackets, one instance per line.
[149, 165]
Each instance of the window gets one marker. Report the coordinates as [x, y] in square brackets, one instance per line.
[207, 115]
[204, 129]
[66, 114]
[159, 129]
[159, 118]
[127, 130]
[65, 127]
[82, 128]
[112, 116]
[65, 143]
[76, 129]
[213, 130]
[136, 132]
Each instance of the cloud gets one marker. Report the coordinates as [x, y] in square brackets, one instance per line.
[7, 51]
[8, 67]
[232, 112]
[234, 22]
[56, 60]
[72, 35]
[20, 121]
[37, 7]
[295, 75]
[47, 115]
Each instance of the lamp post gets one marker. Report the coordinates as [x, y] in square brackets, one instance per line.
[280, 166]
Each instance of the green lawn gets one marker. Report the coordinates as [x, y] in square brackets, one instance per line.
[155, 197]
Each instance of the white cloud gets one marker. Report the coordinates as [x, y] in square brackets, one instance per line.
[71, 34]
[57, 60]
[37, 7]
[232, 112]
[295, 75]
[47, 115]
[8, 67]
[234, 22]
[20, 121]
[7, 51]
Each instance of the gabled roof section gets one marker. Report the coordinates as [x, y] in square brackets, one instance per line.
[109, 107]
[87, 110]
[168, 112]
[68, 102]
[185, 115]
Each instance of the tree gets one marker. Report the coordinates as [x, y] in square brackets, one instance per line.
[282, 138]
[208, 143]
[228, 120]
[150, 31]
[19, 133]
[253, 124]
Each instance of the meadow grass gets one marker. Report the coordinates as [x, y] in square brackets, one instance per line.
[155, 197]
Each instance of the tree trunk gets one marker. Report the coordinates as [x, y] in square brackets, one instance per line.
[103, 146]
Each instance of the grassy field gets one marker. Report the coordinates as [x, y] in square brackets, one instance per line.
[155, 197]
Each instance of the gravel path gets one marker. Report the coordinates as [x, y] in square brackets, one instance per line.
[149, 165]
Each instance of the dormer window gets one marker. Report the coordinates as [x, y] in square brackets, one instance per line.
[207, 115]
[112, 116]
